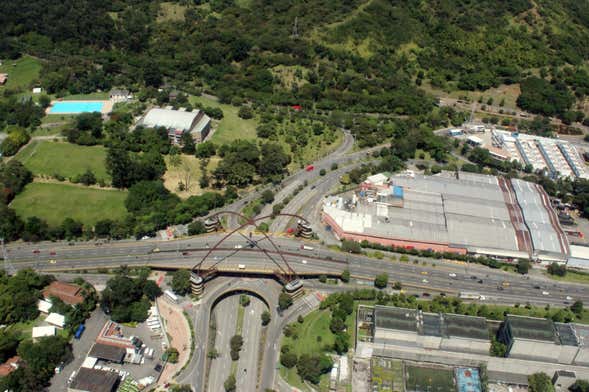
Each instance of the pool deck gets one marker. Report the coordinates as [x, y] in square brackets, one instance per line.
[107, 106]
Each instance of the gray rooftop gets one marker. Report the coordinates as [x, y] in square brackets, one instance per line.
[466, 326]
[566, 334]
[532, 328]
[94, 380]
[388, 317]
[582, 332]
[470, 212]
[544, 236]
[432, 324]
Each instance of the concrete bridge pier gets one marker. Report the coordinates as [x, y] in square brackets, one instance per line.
[197, 284]
[294, 288]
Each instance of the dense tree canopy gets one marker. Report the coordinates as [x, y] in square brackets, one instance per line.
[19, 295]
[127, 299]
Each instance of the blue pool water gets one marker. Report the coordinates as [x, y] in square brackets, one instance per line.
[468, 380]
[69, 107]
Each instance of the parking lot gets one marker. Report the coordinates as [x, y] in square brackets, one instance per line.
[139, 371]
[81, 348]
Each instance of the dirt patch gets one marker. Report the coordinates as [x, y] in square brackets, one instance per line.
[188, 171]
[178, 330]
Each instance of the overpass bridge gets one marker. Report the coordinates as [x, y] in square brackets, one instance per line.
[205, 270]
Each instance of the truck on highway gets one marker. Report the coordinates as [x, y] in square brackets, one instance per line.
[306, 247]
[241, 266]
[469, 295]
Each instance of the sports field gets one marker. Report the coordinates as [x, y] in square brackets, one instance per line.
[66, 159]
[426, 379]
[55, 202]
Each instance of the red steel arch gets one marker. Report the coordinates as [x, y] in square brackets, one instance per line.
[287, 272]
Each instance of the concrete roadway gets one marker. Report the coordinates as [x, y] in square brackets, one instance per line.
[225, 314]
[320, 260]
[194, 372]
[311, 195]
[301, 306]
[247, 367]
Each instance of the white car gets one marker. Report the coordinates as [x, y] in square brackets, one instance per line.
[482, 298]
[304, 261]
[424, 281]
[545, 293]
[452, 275]
[238, 246]
[569, 298]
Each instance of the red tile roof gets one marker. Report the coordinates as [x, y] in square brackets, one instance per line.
[68, 293]
[9, 366]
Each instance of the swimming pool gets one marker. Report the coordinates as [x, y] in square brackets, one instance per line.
[468, 380]
[73, 107]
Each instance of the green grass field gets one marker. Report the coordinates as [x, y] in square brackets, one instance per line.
[23, 74]
[230, 127]
[66, 159]
[54, 202]
[571, 276]
[424, 379]
[316, 324]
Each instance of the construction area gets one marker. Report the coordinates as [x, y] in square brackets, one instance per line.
[450, 212]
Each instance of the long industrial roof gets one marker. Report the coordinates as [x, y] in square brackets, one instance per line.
[467, 212]
[544, 236]
[465, 326]
[532, 328]
[388, 317]
[471, 211]
[431, 324]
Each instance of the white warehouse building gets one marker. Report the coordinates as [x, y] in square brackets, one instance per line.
[178, 122]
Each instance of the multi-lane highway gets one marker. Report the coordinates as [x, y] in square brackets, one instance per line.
[194, 372]
[225, 316]
[187, 252]
[247, 367]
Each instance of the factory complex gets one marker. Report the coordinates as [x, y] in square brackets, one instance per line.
[463, 213]
[532, 344]
[558, 158]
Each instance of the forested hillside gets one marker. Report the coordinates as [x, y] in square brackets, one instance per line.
[357, 55]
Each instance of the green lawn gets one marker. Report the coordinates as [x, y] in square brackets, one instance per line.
[21, 75]
[54, 202]
[315, 324]
[230, 127]
[66, 159]
[571, 276]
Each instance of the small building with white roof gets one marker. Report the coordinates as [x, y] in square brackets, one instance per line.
[41, 332]
[44, 306]
[56, 319]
